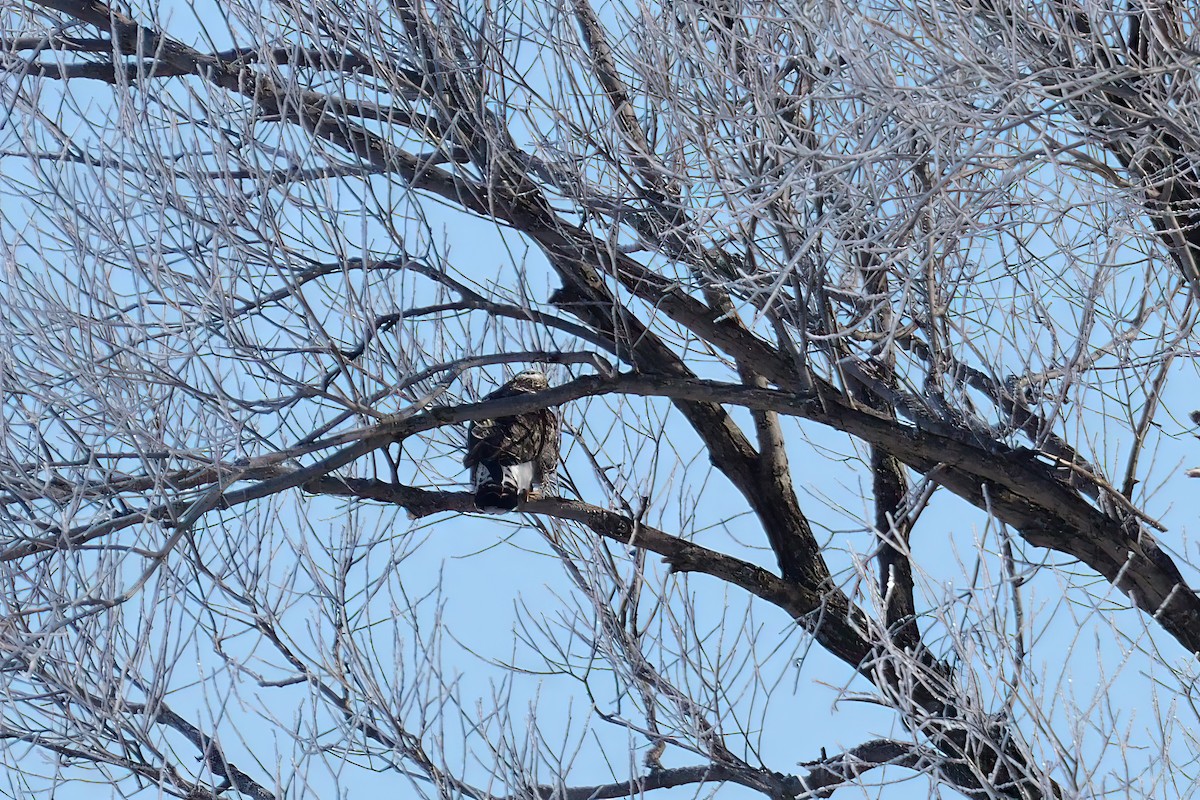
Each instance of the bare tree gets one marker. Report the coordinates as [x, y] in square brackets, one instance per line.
[870, 326]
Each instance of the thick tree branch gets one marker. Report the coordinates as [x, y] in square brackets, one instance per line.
[213, 756]
[892, 526]
[822, 779]
[680, 554]
[1024, 491]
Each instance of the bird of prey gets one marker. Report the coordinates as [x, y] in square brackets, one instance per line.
[513, 459]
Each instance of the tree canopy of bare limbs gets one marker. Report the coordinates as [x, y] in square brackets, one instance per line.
[869, 324]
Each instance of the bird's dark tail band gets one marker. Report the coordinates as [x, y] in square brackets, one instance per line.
[496, 497]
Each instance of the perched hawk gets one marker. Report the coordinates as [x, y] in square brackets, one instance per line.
[513, 459]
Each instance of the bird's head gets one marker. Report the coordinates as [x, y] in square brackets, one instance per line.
[531, 380]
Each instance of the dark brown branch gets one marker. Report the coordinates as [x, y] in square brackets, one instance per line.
[664, 779]
[765, 478]
[796, 549]
[475, 301]
[680, 554]
[584, 266]
[832, 772]
[1135, 52]
[321, 114]
[605, 69]
[1142, 428]
[213, 756]
[822, 779]
[145, 69]
[1128, 121]
[1024, 491]
[78, 755]
[893, 525]
[321, 58]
